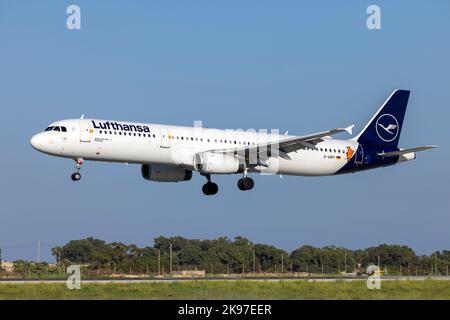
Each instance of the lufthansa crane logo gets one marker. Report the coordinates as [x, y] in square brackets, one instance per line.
[387, 127]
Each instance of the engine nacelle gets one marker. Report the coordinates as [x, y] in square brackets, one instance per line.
[164, 173]
[211, 162]
[407, 157]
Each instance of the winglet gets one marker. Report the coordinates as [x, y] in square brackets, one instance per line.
[349, 129]
[82, 116]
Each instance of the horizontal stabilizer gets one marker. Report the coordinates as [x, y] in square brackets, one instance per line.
[400, 152]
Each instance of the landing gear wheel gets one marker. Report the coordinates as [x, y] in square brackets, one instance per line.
[76, 176]
[210, 188]
[78, 163]
[245, 184]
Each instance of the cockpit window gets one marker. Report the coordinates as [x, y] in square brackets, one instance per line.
[56, 128]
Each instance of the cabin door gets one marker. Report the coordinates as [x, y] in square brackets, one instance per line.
[359, 156]
[165, 139]
[85, 132]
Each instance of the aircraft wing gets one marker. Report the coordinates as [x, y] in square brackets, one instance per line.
[285, 146]
[400, 152]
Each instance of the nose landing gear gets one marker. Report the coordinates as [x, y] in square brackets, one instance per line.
[209, 188]
[76, 175]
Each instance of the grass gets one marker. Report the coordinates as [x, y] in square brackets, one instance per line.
[428, 289]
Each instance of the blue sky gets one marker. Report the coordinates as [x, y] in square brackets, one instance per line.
[302, 66]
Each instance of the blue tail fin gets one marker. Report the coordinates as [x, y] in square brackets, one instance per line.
[383, 130]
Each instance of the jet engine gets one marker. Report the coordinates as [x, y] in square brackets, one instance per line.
[164, 173]
[212, 162]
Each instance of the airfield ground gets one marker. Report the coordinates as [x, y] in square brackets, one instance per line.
[242, 289]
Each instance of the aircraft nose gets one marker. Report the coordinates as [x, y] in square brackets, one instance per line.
[37, 141]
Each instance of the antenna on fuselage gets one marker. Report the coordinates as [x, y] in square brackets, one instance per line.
[82, 116]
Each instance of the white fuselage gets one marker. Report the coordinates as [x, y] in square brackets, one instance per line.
[128, 142]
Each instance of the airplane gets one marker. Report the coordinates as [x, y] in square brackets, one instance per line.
[172, 153]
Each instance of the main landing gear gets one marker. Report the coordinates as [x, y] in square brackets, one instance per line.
[76, 175]
[245, 183]
[209, 188]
